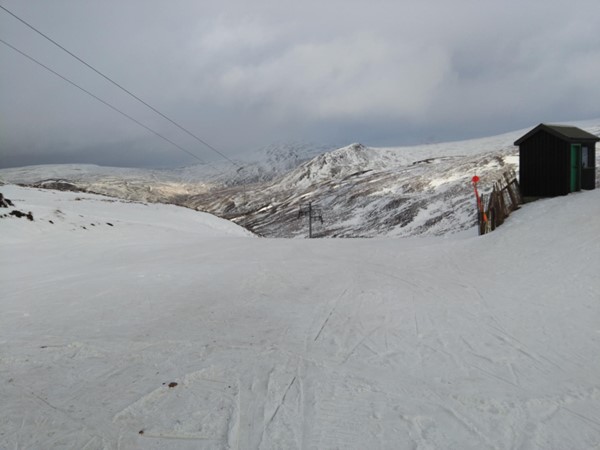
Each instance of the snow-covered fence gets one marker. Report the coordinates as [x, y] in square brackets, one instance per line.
[504, 198]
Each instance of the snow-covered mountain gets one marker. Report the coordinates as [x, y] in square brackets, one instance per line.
[139, 326]
[270, 162]
[361, 195]
[163, 185]
[124, 183]
[361, 191]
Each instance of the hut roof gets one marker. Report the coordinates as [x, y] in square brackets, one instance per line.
[565, 132]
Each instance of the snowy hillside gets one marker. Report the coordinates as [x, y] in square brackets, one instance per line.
[125, 183]
[269, 163]
[362, 195]
[362, 191]
[104, 217]
[171, 330]
[369, 192]
[165, 185]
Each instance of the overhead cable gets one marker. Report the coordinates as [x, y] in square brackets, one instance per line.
[106, 77]
[102, 101]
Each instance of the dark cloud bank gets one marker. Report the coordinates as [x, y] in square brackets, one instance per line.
[244, 74]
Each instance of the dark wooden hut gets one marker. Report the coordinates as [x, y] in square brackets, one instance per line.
[555, 160]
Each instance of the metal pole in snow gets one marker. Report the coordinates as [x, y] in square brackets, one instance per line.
[310, 220]
[480, 211]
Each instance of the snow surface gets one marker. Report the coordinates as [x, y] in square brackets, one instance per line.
[461, 342]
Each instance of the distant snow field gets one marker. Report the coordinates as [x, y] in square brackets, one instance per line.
[135, 326]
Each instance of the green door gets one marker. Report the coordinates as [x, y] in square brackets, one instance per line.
[575, 166]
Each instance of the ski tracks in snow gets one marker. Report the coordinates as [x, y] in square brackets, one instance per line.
[413, 356]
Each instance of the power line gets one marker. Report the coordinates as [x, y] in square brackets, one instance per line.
[102, 101]
[106, 77]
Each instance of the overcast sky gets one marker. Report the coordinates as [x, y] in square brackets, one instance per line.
[244, 74]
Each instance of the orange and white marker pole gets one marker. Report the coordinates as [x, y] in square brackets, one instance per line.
[475, 180]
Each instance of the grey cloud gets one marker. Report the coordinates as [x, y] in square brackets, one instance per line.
[244, 74]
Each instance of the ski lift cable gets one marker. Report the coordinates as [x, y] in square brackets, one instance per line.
[106, 77]
[104, 102]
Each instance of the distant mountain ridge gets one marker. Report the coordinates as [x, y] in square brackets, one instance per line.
[362, 191]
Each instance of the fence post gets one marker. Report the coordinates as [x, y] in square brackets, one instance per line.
[511, 194]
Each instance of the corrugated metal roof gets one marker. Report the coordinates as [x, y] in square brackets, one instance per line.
[566, 132]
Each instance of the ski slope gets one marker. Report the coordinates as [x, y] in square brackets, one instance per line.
[172, 329]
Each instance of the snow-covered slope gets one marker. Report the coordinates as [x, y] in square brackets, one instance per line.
[161, 333]
[369, 192]
[270, 162]
[103, 217]
[125, 183]
[164, 185]
[361, 191]
[362, 198]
